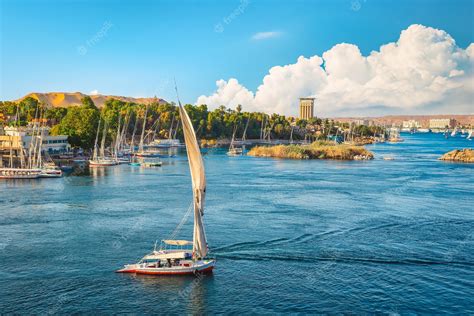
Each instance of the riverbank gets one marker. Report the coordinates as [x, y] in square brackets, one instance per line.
[459, 155]
[316, 150]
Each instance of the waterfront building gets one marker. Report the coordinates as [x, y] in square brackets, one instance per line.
[364, 122]
[16, 137]
[410, 124]
[443, 123]
[306, 108]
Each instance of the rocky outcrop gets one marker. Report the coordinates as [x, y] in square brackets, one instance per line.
[459, 155]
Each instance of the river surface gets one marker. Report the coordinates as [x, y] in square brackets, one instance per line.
[382, 236]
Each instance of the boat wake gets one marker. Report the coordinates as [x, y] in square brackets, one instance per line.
[339, 259]
[255, 245]
[274, 250]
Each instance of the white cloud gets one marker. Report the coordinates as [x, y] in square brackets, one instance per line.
[265, 35]
[423, 72]
[94, 92]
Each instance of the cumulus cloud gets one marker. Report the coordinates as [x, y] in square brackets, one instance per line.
[423, 72]
[265, 35]
[94, 92]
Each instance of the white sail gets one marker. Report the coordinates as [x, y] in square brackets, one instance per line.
[198, 177]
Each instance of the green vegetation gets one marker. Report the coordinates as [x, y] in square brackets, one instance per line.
[316, 150]
[80, 122]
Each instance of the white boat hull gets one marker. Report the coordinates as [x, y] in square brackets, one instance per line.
[204, 266]
[18, 173]
[102, 163]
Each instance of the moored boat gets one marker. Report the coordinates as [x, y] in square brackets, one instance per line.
[151, 164]
[19, 173]
[99, 159]
[102, 163]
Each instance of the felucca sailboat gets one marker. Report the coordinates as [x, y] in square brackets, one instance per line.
[178, 257]
[101, 160]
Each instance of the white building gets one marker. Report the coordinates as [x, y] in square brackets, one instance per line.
[22, 136]
[411, 124]
[443, 123]
[365, 122]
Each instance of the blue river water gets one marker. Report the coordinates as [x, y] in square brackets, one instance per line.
[381, 236]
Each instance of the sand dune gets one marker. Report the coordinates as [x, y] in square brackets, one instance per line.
[65, 99]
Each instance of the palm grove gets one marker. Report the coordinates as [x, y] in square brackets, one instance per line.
[80, 122]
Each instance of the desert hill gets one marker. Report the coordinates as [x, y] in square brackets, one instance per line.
[65, 99]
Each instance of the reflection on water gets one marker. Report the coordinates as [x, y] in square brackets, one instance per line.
[186, 291]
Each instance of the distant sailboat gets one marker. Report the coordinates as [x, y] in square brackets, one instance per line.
[454, 132]
[234, 150]
[173, 258]
[30, 171]
[171, 141]
[142, 153]
[470, 135]
[99, 159]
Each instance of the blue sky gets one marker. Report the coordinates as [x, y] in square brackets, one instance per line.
[135, 48]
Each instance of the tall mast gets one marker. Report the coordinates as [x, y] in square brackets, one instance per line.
[40, 145]
[140, 147]
[157, 126]
[11, 151]
[132, 140]
[124, 131]
[117, 138]
[171, 128]
[233, 137]
[244, 136]
[176, 130]
[102, 144]
[30, 147]
[94, 157]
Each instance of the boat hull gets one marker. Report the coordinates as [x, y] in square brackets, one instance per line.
[102, 163]
[18, 173]
[204, 268]
[51, 175]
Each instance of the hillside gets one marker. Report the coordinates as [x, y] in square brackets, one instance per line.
[65, 99]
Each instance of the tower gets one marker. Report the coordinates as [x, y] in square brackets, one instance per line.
[306, 108]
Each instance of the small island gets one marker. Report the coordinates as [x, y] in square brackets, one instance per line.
[316, 150]
[459, 155]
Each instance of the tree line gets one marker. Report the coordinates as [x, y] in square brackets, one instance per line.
[80, 122]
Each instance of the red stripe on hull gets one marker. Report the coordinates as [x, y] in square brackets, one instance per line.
[206, 270]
